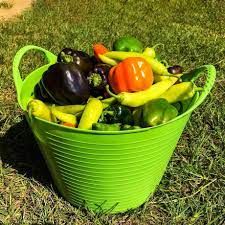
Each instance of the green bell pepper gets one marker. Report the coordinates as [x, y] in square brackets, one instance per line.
[138, 116]
[128, 44]
[178, 106]
[157, 112]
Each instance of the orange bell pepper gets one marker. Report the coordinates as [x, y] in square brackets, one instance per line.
[131, 75]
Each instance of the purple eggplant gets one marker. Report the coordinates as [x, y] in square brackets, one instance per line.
[63, 84]
[176, 69]
[98, 79]
[41, 94]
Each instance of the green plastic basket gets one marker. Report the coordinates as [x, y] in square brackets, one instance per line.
[111, 171]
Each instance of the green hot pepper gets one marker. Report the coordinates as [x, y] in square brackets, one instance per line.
[180, 92]
[113, 127]
[129, 127]
[128, 44]
[91, 113]
[117, 114]
[106, 127]
[157, 67]
[157, 112]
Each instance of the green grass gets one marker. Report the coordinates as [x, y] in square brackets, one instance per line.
[192, 190]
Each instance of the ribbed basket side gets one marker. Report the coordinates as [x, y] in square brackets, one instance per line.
[108, 172]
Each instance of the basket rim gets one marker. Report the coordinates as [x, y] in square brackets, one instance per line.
[78, 130]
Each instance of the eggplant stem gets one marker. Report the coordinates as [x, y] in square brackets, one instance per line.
[95, 80]
[66, 58]
[110, 93]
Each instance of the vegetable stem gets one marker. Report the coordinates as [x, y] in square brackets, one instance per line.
[111, 113]
[95, 79]
[159, 44]
[108, 100]
[66, 58]
[110, 93]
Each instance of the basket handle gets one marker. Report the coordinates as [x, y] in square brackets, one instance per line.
[17, 59]
[211, 76]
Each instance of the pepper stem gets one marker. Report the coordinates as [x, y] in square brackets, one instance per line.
[159, 44]
[111, 113]
[110, 93]
[66, 58]
[95, 79]
[165, 63]
[108, 100]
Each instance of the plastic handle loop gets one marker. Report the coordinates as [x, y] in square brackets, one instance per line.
[210, 80]
[17, 59]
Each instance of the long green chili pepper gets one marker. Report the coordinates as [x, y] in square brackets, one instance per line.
[180, 92]
[106, 127]
[71, 109]
[139, 98]
[64, 117]
[157, 66]
[76, 109]
[107, 60]
[39, 109]
[91, 114]
[151, 51]
[108, 101]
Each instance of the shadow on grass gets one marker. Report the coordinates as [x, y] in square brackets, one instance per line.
[19, 150]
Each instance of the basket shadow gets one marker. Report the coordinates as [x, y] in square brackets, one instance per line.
[19, 150]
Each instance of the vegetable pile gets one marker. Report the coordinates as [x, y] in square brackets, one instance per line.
[125, 88]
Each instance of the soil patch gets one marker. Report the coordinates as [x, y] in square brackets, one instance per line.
[12, 8]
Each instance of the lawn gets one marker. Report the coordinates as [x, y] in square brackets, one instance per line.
[192, 190]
